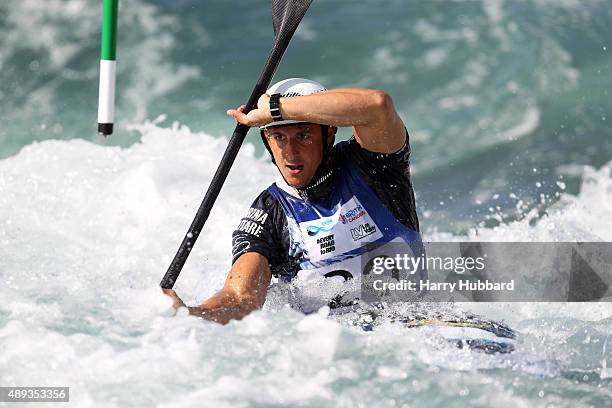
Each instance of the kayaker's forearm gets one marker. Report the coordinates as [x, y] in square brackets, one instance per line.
[223, 307]
[339, 107]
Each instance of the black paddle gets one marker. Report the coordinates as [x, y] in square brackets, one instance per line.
[286, 16]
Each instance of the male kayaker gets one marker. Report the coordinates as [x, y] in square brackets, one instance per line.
[333, 203]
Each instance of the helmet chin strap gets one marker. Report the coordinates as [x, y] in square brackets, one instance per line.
[323, 178]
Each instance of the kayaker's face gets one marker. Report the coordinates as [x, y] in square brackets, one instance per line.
[297, 150]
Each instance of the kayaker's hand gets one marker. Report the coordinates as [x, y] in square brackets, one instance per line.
[177, 302]
[257, 117]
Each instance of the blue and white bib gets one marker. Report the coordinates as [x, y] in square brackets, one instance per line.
[336, 235]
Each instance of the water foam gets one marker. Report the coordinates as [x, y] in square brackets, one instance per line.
[87, 231]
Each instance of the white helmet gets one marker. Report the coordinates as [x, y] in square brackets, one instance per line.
[293, 87]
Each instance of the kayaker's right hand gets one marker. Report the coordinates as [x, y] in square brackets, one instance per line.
[257, 117]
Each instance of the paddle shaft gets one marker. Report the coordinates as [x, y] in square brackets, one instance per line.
[220, 176]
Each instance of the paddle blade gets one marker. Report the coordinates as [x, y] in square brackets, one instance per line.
[286, 16]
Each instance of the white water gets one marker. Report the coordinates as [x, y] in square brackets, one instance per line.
[86, 233]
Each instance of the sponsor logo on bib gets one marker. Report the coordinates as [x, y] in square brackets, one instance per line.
[325, 226]
[352, 214]
[362, 231]
[327, 244]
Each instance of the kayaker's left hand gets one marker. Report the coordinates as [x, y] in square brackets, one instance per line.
[177, 302]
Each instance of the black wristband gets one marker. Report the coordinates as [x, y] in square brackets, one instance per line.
[275, 108]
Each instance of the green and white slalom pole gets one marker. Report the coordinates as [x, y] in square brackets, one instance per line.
[106, 101]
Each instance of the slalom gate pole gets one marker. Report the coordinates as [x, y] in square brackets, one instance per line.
[106, 100]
